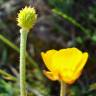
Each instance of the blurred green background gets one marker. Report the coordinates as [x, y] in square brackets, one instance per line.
[61, 24]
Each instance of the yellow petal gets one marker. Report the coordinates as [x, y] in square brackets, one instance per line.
[66, 59]
[47, 58]
[81, 65]
[50, 75]
[70, 76]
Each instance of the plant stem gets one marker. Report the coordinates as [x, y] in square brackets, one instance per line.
[22, 62]
[63, 89]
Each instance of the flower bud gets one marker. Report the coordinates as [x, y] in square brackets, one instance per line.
[27, 18]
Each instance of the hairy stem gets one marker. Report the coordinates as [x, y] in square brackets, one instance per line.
[22, 62]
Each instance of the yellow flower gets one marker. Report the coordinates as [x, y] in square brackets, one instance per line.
[65, 64]
[27, 18]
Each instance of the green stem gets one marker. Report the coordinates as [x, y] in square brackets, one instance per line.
[63, 89]
[22, 62]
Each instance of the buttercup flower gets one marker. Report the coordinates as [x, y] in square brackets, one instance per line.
[64, 65]
[27, 18]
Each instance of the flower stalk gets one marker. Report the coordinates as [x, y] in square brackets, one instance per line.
[23, 40]
[26, 19]
[63, 89]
